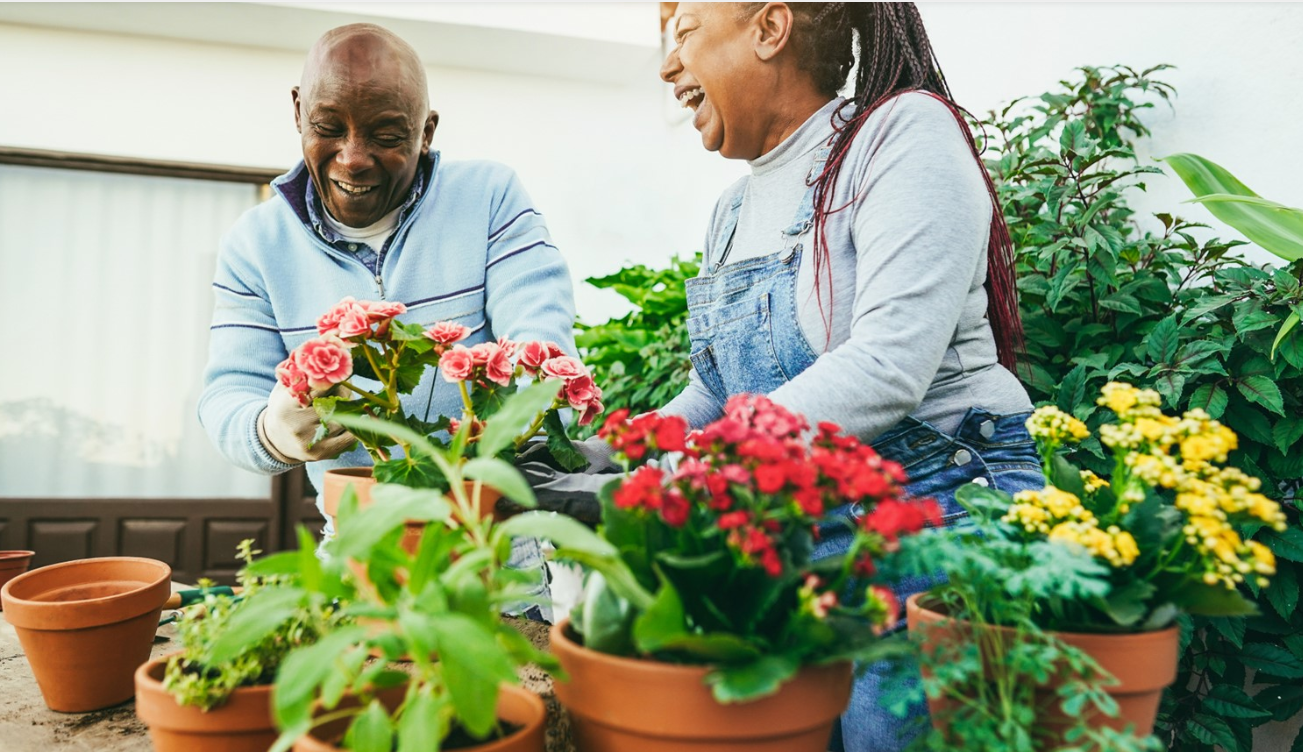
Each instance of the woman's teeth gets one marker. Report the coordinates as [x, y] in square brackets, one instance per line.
[689, 98]
[350, 188]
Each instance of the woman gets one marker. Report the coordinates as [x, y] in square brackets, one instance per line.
[862, 273]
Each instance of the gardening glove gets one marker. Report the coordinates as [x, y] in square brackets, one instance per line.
[286, 428]
[572, 494]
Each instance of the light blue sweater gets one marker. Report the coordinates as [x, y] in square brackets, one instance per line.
[471, 248]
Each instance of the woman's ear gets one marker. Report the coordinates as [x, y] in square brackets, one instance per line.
[774, 26]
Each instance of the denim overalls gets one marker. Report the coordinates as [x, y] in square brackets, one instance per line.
[746, 336]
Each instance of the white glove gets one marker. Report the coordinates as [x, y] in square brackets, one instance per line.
[286, 428]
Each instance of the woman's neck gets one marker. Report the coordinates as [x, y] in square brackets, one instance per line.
[794, 112]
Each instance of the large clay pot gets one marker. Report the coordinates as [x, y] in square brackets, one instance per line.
[12, 564]
[337, 480]
[619, 704]
[515, 705]
[243, 723]
[86, 625]
[1143, 663]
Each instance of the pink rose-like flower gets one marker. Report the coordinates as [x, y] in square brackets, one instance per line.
[533, 354]
[379, 310]
[484, 352]
[293, 379]
[328, 324]
[447, 333]
[580, 391]
[325, 361]
[457, 364]
[564, 367]
[591, 411]
[508, 346]
[355, 323]
[498, 368]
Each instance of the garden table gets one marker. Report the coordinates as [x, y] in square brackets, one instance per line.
[26, 724]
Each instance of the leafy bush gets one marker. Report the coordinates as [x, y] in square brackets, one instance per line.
[641, 359]
[1104, 298]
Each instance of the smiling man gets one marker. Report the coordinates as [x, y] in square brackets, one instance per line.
[371, 212]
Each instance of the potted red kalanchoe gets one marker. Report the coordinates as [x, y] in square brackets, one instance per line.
[364, 360]
[708, 607]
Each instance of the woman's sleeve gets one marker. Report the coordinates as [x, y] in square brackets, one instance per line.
[920, 228]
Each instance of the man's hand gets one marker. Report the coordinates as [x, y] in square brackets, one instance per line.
[286, 429]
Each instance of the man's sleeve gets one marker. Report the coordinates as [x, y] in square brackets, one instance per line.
[244, 348]
[528, 295]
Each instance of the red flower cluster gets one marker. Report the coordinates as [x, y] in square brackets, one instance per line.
[755, 478]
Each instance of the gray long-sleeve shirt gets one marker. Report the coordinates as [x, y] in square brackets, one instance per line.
[909, 334]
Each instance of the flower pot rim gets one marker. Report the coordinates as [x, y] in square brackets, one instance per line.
[190, 719]
[32, 613]
[15, 554]
[352, 471]
[915, 601]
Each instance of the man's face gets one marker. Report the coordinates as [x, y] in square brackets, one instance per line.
[364, 133]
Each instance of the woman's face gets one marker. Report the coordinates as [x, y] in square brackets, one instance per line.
[714, 70]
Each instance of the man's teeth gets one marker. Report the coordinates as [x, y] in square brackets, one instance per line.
[688, 96]
[350, 188]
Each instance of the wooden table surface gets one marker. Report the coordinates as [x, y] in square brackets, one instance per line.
[27, 725]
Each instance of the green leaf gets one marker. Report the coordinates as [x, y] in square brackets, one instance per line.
[1263, 391]
[560, 446]
[712, 648]
[1211, 730]
[502, 476]
[661, 622]
[1211, 398]
[474, 665]
[1128, 604]
[564, 531]
[1225, 700]
[393, 507]
[424, 724]
[1287, 544]
[1290, 322]
[1272, 659]
[515, 416]
[1276, 228]
[756, 679]
[1286, 432]
[370, 730]
[1197, 597]
[1283, 592]
[254, 620]
[1283, 701]
[306, 668]
[604, 618]
[1163, 340]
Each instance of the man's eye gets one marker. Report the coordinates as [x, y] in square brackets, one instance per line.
[390, 139]
[327, 131]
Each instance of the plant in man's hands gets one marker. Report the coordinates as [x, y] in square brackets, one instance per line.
[210, 667]
[714, 560]
[361, 344]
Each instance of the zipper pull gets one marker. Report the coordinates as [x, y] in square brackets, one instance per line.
[380, 283]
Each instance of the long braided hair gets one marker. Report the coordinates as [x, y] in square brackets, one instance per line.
[895, 56]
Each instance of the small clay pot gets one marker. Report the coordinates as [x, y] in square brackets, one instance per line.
[243, 723]
[12, 564]
[619, 704]
[1143, 663]
[516, 706]
[86, 625]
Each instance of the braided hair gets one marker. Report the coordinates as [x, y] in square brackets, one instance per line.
[895, 56]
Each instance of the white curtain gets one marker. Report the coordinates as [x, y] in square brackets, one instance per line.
[105, 302]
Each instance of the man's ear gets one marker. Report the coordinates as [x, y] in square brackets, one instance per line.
[431, 123]
[298, 117]
[774, 27]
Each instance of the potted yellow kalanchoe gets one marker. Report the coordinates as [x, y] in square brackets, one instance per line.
[1104, 565]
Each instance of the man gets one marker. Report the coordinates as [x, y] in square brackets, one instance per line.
[372, 213]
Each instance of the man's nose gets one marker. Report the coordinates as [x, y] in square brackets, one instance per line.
[354, 155]
[671, 68]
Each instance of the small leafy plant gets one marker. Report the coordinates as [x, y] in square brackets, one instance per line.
[715, 556]
[210, 666]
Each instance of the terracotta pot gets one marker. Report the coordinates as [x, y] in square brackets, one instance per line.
[243, 723]
[618, 704]
[13, 563]
[86, 625]
[1143, 663]
[515, 705]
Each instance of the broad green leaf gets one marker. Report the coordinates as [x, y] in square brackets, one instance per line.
[1163, 340]
[1211, 730]
[756, 679]
[1283, 592]
[1283, 701]
[605, 619]
[618, 575]
[370, 730]
[393, 508]
[1287, 544]
[257, 617]
[713, 648]
[564, 531]
[474, 665]
[1276, 228]
[515, 416]
[1286, 432]
[1211, 398]
[424, 724]
[1197, 597]
[304, 669]
[1290, 322]
[661, 622]
[1228, 701]
[1272, 659]
[559, 444]
[1263, 391]
[502, 476]
[1128, 604]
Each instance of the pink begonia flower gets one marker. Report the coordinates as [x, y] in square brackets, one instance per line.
[498, 368]
[324, 360]
[508, 346]
[293, 379]
[533, 354]
[354, 323]
[447, 333]
[591, 410]
[378, 310]
[328, 324]
[580, 391]
[484, 352]
[564, 367]
[457, 364]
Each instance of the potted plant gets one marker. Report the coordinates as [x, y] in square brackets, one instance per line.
[438, 606]
[215, 693]
[1105, 565]
[364, 359]
[707, 607]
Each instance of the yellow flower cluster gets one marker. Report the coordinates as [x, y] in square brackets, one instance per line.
[1054, 427]
[1093, 483]
[1037, 511]
[1123, 399]
[1112, 544]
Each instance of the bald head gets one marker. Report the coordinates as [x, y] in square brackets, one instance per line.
[363, 110]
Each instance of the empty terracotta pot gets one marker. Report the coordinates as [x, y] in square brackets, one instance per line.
[617, 703]
[516, 706]
[13, 563]
[1143, 663]
[243, 723]
[86, 625]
